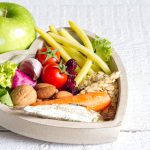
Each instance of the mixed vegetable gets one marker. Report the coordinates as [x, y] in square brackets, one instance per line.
[58, 71]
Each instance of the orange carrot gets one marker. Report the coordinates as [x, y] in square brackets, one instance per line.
[95, 101]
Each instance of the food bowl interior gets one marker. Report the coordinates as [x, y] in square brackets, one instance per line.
[115, 66]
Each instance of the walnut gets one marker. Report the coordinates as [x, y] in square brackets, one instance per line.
[63, 94]
[23, 95]
[41, 85]
[46, 92]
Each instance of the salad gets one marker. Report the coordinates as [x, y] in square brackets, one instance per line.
[66, 80]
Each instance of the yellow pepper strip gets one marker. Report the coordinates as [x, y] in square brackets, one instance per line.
[79, 60]
[70, 49]
[50, 40]
[83, 72]
[82, 35]
[83, 50]
[65, 33]
[53, 29]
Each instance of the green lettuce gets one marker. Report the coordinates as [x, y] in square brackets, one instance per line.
[7, 71]
[103, 48]
[5, 97]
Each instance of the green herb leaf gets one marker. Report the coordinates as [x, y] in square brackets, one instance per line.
[5, 97]
[103, 48]
[50, 53]
[7, 71]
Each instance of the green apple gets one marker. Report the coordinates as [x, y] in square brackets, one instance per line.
[17, 27]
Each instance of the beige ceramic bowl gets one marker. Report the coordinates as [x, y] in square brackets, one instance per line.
[64, 131]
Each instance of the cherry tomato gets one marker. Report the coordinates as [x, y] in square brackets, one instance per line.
[48, 55]
[55, 75]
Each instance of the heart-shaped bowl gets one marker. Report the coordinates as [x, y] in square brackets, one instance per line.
[66, 131]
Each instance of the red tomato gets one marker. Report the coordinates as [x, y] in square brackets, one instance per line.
[53, 75]
[48, 55]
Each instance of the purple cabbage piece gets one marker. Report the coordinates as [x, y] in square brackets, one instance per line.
[21, 78]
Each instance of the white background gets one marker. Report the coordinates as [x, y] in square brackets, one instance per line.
[127, 24]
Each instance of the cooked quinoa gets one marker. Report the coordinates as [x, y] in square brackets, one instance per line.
[103, 82]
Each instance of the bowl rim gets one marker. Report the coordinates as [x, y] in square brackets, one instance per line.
[123, 94]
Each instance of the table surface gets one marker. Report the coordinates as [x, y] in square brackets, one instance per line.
[127, 24]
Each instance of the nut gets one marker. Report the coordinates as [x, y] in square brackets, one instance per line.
[63, 94]
[23, 95]
[38, 100]
[41, 85]
[46, 92]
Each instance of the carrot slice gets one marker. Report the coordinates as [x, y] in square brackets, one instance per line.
[95, 101]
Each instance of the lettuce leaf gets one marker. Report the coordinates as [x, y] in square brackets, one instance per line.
[7, 71]
[103, 48]
[5, 97]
